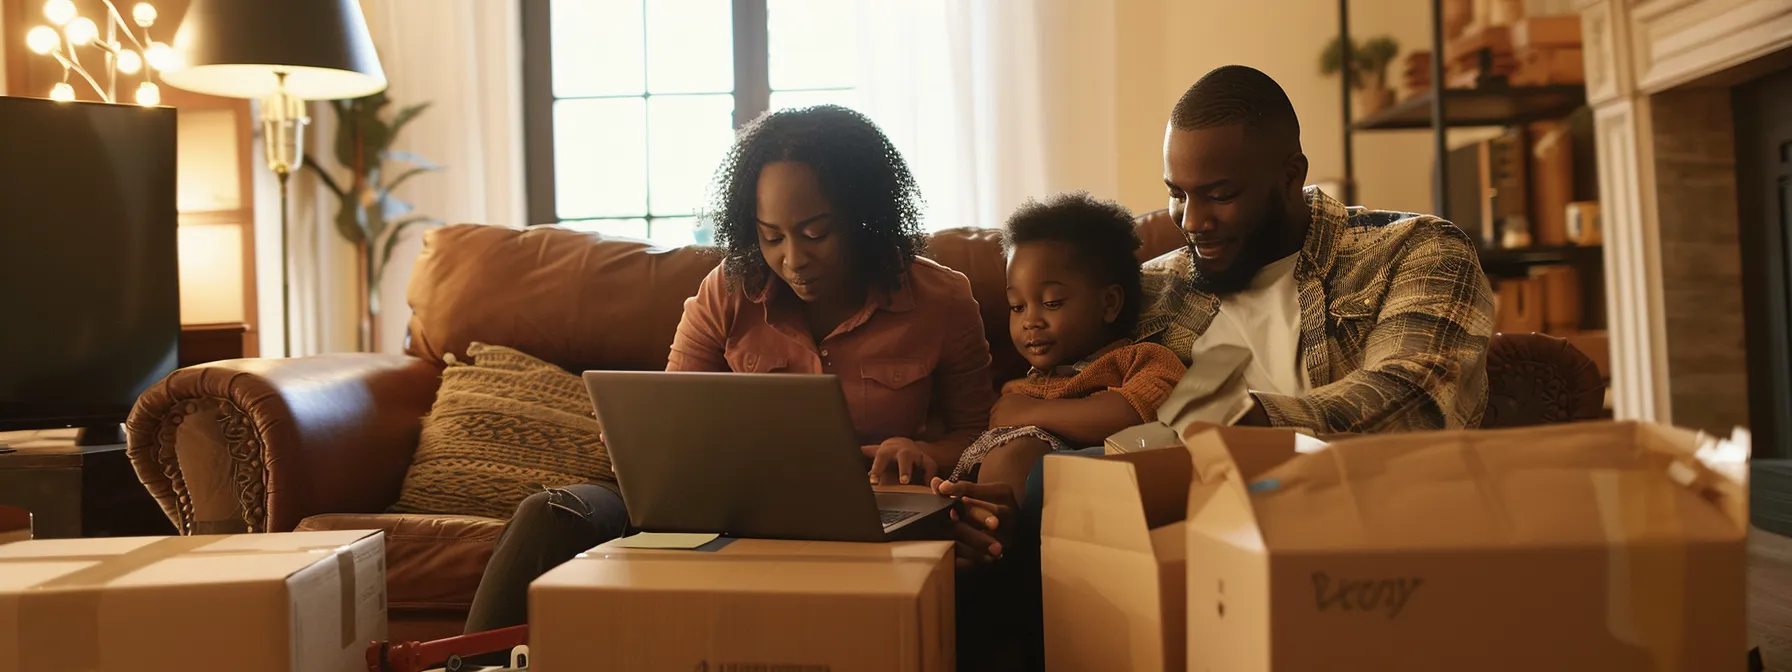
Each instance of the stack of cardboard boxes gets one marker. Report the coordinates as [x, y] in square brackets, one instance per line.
[1596, 546]
[1534, 51]
[1592, 546]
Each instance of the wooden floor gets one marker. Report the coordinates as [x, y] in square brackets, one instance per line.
[1770, 598]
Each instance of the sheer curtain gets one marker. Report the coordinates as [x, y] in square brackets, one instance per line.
[992, 102]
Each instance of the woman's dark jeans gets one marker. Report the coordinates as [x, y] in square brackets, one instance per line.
[549, 528]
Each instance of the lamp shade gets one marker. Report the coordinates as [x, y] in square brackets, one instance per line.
[234, 48]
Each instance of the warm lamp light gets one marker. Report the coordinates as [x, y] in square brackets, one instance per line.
[59, 11]
[62, 92]
[81, 31]
[283, 53]
[148, 94]
[144, 14]
[42, 39]
[162, 58]
[128, 55]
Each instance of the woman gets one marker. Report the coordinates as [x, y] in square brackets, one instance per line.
[819, 219]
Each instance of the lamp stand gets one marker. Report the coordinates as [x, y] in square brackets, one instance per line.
[283, 123]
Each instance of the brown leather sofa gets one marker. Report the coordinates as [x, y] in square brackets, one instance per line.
[312, 443]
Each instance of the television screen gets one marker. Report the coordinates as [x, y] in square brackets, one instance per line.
[89, 296]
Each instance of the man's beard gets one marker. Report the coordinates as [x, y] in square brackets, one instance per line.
[1264, 244]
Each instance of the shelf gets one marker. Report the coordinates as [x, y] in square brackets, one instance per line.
[1501, 106]
[1531, 256]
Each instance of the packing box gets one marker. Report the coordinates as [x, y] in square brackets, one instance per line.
[301, 601]
[1590, 546]
[1112, 552]
[753, 604]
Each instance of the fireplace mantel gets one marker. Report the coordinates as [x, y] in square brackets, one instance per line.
[1634, 50]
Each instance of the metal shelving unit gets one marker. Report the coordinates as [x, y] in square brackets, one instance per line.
[1441, 108]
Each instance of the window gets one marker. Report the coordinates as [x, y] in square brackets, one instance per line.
[632, 104]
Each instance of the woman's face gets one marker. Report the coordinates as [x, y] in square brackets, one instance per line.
[803, 240]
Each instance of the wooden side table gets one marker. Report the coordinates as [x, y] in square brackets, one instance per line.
[76, 491]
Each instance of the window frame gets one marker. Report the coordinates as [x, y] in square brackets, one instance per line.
[752, 95]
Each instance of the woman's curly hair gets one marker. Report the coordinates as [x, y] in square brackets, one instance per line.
[861, 173]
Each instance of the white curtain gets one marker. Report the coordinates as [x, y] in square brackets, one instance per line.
[465, 58]
[993, 101]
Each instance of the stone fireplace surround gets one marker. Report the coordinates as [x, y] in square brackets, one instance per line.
[1660, 80]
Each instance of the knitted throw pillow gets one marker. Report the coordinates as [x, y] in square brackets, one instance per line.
[502, 427]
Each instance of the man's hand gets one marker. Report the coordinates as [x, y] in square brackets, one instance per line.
[910, 462]
[983, 521]
[1012, 410]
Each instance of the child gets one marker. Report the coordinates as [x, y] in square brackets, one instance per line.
[1073, 299]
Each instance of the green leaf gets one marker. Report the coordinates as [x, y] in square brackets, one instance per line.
[391, 242]
[1377, 53]
[1332, 58]
[324, 177]
[405, 116]
[413, 158]
[348, 223]
[396, 181]
[392, 207]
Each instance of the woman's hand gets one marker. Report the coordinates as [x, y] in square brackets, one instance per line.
[1012, 410]
[983, 521]
[912, 464]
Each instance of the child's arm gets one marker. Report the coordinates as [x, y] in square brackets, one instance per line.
[1148, 374]
[1082, 422]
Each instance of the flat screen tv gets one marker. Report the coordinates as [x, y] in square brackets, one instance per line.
[89, 295]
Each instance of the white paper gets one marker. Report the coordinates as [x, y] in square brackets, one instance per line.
[665, 540]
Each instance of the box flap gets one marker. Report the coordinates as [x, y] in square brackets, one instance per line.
[1114, 501]
[1217, 451]
[759, 566]
[1577, 484]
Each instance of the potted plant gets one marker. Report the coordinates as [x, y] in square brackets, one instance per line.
[1368, 62]
[369, 216]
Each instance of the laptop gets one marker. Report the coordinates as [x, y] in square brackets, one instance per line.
[769, 456]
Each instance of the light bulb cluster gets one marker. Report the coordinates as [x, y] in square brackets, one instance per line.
[138, 54]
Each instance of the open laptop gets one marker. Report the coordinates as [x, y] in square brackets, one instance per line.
[748, 455]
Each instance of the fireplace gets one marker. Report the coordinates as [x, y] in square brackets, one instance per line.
[1695, 157]
[1763, 117]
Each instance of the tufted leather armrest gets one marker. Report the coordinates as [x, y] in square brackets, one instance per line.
[257, 445]
[1534, 379]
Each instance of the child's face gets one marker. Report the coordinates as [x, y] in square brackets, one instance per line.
[1057, 313]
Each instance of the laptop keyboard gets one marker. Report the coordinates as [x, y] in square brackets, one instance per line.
[894, 516]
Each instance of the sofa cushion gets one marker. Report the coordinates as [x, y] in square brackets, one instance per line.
[578, 300]
[502, 427]
[433, 562]
[560, 294]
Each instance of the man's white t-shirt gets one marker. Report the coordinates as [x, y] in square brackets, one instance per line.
[1263, 318]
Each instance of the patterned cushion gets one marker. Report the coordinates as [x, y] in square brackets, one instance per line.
[502, 427]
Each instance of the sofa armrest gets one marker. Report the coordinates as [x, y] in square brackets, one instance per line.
[257, 445]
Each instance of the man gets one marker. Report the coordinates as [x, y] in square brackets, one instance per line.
[1305, 313]
[1355, 320]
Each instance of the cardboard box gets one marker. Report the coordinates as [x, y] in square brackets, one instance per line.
[1518, 304]
[1552, 180]
[753, 604]
[301, 601]
[1112, 554]
[1588, 546]
[1546, 31]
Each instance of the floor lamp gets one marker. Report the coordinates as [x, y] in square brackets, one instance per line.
[282, 53]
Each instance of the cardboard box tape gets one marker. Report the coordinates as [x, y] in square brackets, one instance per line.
[66, 609]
